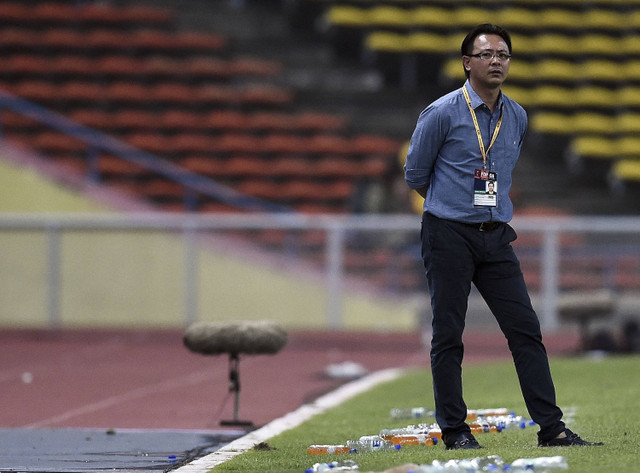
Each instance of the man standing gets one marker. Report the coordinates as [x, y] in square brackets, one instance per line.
[462, 142]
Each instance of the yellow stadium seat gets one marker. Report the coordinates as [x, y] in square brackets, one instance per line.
[594, 147]
[347, 16]
[632, 19]
[522, 70]
[387, 42]
[630, 45]
[627, 169]
[601, 70]
[598, 18]
[631, 70]
[628, 122]
[388, 16]
[424, 42]
[467, 17]
[627, 97]
[517, 18]
[556, 18]
[555, 69]
[596, 123]
[552, 123]
[521, 95]
[553, 43]
[628, 147]
[598, 44]
[593, 96]
[432, 17]
[452, 69]
[552, 96]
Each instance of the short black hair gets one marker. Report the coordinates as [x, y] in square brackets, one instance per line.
[485, 28]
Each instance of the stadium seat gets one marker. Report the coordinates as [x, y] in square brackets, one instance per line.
[599, 147]
[628, 146]
[603, 19]
[598, 44]
[560, 19]
[627, 96]
[468, 17]
[279, 143]
[342, 15]
[432, 16]
[389, 17]
[294, 167]
[554, 70]
[595, 97]
[518, 18]
[552, 123]
[427, 42]
[333, 166]
[81, 92]
[627, 122]
[385, 41]
[220, 120]
[627, 170]
[602, 70]
[206, 166]
[596, 123]
[548, 44]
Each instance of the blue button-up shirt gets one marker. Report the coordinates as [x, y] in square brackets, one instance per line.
[444, 153]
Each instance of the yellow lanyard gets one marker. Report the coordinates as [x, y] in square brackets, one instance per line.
[475, 124]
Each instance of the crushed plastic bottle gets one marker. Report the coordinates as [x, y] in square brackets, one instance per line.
[411, 413]
[540, 464]
[343, 465]
[371, 443]
[327, 449]
[491, 463]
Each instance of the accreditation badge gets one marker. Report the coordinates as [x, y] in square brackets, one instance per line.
[485, 188]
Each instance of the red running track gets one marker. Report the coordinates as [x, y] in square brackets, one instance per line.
[149, 380]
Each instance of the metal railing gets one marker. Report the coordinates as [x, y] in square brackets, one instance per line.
[608, 239]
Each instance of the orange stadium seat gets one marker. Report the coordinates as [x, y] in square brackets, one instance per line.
[279, 143]
[206, 165]
[134, 120]
[218, 120]
[337, 166]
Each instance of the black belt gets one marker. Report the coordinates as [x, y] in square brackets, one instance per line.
[485, 226]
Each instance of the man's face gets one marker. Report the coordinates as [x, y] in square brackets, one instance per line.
[489, 72]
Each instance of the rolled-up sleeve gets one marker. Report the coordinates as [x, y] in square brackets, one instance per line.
[423, 149]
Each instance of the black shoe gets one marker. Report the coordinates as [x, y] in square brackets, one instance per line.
[464, 440]
[568, 441]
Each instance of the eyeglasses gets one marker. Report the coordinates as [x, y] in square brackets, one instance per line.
[488, 56]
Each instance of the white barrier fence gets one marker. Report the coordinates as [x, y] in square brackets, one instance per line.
[558, 254]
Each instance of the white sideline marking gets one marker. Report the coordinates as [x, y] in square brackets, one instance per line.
[290, 421]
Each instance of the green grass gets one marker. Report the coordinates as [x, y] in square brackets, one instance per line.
[603, 396]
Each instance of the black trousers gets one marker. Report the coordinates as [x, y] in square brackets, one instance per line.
[456, 255]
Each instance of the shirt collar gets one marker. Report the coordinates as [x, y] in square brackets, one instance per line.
[476, 101]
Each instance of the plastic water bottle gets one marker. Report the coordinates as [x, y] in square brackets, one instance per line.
[433, 430]
[327, 449]
[509, 421]
[473, 414]
[371, 443]
[540, 464]
[411, 439]
[344, 465]
[411, 413]
[484, 428]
